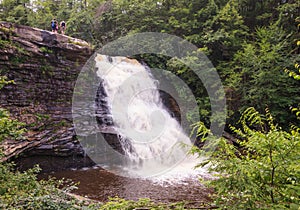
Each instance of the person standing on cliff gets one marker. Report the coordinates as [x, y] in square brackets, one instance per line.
[54, 25]
[62, 27]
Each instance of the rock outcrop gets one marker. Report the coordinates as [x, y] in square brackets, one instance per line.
[44, 67]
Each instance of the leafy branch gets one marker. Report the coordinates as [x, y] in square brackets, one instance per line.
[263, 172]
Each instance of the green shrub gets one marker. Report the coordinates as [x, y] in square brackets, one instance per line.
[142, 203]
[23, 191]
[263, 172]
[9, 128]
[46, 50]
[4, 81]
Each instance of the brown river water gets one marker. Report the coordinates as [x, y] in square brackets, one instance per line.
[99, 184]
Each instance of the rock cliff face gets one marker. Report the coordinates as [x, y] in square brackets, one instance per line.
[44, 67]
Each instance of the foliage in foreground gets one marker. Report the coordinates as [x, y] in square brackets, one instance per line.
[24, 191]
[142, 203]
[263, 173]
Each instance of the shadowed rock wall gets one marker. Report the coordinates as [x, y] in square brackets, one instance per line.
[44, 67]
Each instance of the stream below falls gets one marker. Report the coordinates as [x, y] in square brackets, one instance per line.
[99, 184]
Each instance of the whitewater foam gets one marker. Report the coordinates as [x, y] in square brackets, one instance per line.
[158, 148]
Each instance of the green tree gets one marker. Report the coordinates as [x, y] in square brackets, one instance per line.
[15, 11]
[225, 32]
[257, 77]
[262, 13]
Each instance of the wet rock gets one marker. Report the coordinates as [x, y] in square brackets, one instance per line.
[171, 105]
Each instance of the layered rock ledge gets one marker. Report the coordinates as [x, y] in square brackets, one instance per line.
[44, 67]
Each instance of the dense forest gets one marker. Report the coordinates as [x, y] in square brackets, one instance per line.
[253, 44]
[250, 43]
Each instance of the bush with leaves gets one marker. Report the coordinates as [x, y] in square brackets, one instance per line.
[23, 191]
[9, 128]
[263, 172]
[142, 203]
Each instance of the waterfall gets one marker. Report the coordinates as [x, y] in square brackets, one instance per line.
[152, 140]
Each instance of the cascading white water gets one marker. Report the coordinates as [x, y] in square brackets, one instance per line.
[150, 137]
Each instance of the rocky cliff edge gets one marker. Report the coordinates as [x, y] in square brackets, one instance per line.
[44, 66]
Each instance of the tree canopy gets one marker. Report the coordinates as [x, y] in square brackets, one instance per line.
[249, 42]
